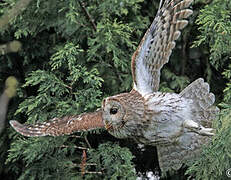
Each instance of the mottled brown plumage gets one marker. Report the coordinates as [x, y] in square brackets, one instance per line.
[177, 124]
[61, 126]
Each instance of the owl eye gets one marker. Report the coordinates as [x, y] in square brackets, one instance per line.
[113, 110]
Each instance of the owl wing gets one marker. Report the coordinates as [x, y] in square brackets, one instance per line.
[61, 126]
[157, 44]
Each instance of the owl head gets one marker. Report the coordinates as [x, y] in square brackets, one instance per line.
[120, 114]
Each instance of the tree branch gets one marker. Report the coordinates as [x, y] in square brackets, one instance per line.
[77, 147]
[87, 14]
[89, 145]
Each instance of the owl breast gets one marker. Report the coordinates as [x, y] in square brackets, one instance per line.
[164, 114]
[154, 119]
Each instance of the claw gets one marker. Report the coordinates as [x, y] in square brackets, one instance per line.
[195, 127]
[206, 131]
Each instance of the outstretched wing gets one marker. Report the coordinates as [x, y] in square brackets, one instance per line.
[157, 44]
[61, 126]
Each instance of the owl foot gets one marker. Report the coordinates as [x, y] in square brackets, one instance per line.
[195, 127]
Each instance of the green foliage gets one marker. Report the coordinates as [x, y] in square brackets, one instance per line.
[53, 157]
[173, 83]
[108, 154]
[215, 27]
[67, 89]
[227, 90]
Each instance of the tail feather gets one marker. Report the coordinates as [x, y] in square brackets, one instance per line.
[203, 110]
[198, 91]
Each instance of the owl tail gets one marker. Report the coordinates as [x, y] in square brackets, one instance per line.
[61, 126]
[203, 110]
[189, 144]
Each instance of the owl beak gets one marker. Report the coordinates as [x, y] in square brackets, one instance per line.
[108, 126]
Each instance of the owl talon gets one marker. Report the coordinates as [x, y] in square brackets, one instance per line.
[195, 127]
[206, 131]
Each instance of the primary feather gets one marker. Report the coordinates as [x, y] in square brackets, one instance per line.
[157, 44]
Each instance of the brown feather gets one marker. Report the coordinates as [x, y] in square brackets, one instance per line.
[62, 126]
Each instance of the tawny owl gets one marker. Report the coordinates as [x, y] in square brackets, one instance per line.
[177, 124]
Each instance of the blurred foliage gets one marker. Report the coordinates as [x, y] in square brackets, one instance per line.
[73, 54]
[10, 90]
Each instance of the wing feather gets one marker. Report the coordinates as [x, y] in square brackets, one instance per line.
[61, 126]
[156, 46]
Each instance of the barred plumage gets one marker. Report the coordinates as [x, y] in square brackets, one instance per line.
[157, 44]
[178, 124]
[61, 126]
